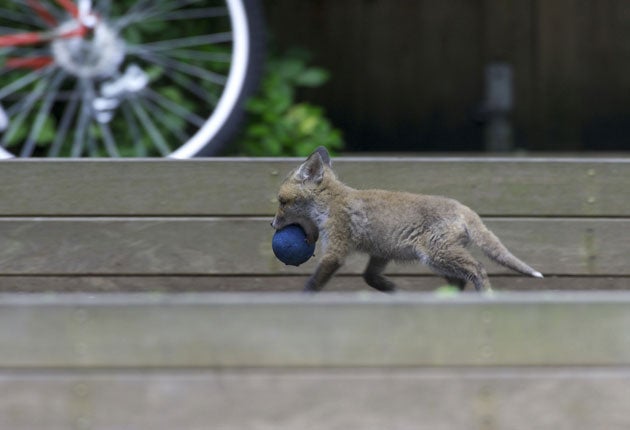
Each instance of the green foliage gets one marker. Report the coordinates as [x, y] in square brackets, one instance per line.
[278, 125]
[447, 291]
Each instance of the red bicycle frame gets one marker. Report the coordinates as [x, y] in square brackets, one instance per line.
[34, 38]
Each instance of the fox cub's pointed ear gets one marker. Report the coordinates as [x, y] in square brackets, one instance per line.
[312, 170]
[323, 152]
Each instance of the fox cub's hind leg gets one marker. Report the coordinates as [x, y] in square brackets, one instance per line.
[374, 277]
[456, 263]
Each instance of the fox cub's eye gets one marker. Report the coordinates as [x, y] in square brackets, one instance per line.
[282, 201]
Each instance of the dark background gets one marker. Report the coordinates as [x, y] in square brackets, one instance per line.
[409, 75]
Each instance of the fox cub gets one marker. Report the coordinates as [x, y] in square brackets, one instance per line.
[387, 226]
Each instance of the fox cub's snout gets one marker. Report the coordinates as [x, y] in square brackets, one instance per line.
[387, 226]
[297, 198]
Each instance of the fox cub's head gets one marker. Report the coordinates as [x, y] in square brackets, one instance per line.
[299, 189]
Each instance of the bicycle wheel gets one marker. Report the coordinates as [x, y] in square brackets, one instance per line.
[125, 77]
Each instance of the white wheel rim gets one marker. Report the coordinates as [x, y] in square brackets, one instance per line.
[203, 124]
[236, 79]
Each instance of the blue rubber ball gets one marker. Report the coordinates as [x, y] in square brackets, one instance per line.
[290, 246]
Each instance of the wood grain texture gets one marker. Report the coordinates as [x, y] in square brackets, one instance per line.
[409, 75]
[237, 187]
[579, 99]
[509, 29]
[277, 283]
[296, 331]
[238, 246]
[406, 83]
[366, 399]
[287, 361]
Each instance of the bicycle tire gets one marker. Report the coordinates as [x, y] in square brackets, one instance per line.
[223, 134]
[210, 134]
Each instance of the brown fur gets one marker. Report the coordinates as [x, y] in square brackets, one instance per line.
[387, 226]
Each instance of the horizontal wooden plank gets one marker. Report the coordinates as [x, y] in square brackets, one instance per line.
[238, 186]
[367, 399]
[297, 331]
[278, 283]
[239, 246]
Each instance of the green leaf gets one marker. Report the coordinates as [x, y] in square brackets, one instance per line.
[47, 133]
[173, 94]
[289, 68]
[258, 130]
[312, 77]
[447, 291]
[277, 124]
[15, 134]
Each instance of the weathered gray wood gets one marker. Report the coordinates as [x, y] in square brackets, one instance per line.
[508, 28]
[297, 331]
[198, 361]
[291, 283]
[510, 186]
[578, 99]
[203, 246]
[401, 83]
[366, 399]
[416, 82]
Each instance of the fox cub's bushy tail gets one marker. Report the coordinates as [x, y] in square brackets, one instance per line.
[490, 244]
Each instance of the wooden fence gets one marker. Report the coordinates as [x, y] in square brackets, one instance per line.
[288, 362]
[409, 75]
[204, 225]
[168, 348]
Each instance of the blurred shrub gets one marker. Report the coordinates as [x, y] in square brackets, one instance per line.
[277, 124]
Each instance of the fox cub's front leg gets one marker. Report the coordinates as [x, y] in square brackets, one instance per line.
[327, 267]
[373, 274]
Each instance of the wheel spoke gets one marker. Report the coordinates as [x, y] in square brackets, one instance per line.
[25, 52]
[26, 106]
[159, 114]
[24, 81]
[83, 120]
[21, 105]
[136, 12]
[184, 67]
[135, 9]
[69, 112]
[184, 42]
[70, 7]
[90, 143]
[174, 108]
[136, 135]
[7, 30]
[156, 137]
[201, 13]
[108, 140]
[21, 18]
[191, 54]
[42, 115]
[42, 12]
[193, 87]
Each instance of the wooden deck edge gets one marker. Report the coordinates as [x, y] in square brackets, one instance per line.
[366, 399]
[282, 283]
[299, 331]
